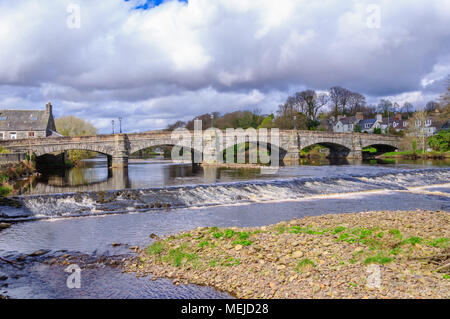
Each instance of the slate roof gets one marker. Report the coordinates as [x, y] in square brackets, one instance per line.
[24, 120]
[367, 121]
[349, 120]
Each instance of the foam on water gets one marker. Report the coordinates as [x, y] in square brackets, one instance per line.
[122, 201]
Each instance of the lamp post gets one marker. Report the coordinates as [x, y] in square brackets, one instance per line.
[295, 122]
[388, 126]
[112, 122]
[120, 124]
[212, 120]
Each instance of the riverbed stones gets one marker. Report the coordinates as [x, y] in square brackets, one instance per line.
[297, 254]
[324, 257]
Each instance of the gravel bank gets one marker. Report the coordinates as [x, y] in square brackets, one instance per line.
[398, 254]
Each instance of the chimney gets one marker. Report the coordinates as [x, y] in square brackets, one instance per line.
[359, 116]
[49, 108]
[379, 117]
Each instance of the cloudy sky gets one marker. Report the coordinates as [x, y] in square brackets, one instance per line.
[154, 62]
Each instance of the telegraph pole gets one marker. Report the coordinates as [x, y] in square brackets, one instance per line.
[120, 124]
[112, 122]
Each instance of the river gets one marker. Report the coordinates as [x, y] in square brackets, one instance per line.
[84, 210]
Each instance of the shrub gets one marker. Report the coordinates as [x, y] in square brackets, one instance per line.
[441, 141]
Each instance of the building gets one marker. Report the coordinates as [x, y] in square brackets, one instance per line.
[23, 124]
[347, 124]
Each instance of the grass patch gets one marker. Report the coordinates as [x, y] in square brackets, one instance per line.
[378, 259]
[230, 261]
[439, 242]
[155, 248]
[244, 242]
[305, 263]
[412, 240]
[396, 233]
[203, 243]
[178, 256]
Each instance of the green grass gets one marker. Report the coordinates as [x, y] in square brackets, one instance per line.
[378, 259]
[155, 248]
[371, 150]
[439, 242]
[178, 256]
[413, 241]
[5, 190]
[396, 233]
[242, 242]
[305, 263]
[230, 261]
[203, 243]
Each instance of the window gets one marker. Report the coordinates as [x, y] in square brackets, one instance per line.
[13, 135]
[367, 125]
[33, 117]
[2, 136]
[30, 134]
[3, 118]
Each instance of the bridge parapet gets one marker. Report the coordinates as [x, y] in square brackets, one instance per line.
[118, 147]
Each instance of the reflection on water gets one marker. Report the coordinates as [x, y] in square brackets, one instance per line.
[94, 175]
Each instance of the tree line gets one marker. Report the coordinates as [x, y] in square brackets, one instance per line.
[305, 110]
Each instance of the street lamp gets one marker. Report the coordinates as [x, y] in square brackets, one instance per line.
[112, 122]
[120, 124]
[295, 122]
[388, 128]
[212, 120]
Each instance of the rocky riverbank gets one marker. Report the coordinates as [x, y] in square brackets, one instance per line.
[401, 254]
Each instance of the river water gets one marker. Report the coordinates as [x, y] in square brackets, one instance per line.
[85, 210]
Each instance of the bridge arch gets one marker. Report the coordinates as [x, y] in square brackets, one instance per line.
[281, 151]
[138, 146]
[380, 148]
[336, 149]
[59, 148]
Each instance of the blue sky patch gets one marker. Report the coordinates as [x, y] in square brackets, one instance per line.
[153, 3]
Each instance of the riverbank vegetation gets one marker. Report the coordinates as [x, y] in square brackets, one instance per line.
[325, 256]
[12, 172]
[436, 147]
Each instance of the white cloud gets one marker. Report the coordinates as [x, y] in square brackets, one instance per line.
[176, 60]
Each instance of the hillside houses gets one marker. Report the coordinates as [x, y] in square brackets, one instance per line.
[397, 123]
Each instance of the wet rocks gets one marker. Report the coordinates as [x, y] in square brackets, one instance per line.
[39, 252]
[4, 226]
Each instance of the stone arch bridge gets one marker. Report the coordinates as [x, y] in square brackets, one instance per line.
[118, 147]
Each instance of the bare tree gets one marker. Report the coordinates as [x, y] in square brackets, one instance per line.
[432, 106]
[356, 103]
[445, 98]
[385, 106]
[418, 127]
[340, 98]
[407, 107]
[310, 103]
[176, 125]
